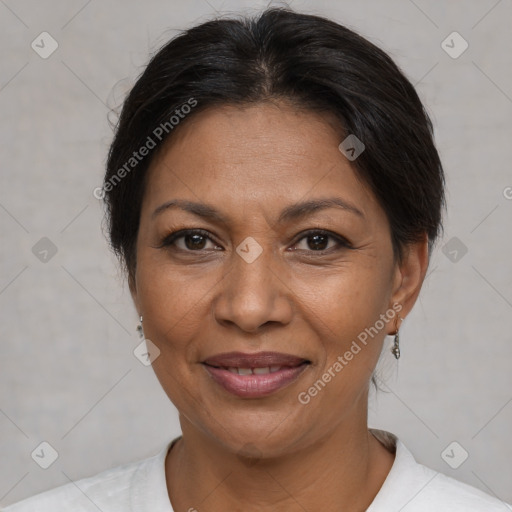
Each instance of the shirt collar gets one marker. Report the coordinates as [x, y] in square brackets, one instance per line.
[406, 479]
[148, 488]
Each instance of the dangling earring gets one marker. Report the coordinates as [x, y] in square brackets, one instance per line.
[395, 349]
[139, 329]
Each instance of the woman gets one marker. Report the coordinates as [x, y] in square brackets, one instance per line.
[274, 194]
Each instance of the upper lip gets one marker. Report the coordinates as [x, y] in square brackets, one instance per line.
[256, 360]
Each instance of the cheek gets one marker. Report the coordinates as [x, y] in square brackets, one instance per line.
[173, 299]
[344, 311]
[173, 318]
[347, 299]
[175, 302]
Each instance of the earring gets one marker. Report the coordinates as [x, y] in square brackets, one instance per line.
[395, 349]
[139, 329]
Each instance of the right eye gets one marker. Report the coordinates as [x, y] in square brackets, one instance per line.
[193, 240]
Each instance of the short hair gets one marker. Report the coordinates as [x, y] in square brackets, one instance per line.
[310, 61]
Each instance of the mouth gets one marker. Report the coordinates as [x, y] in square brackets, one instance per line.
[254, 375]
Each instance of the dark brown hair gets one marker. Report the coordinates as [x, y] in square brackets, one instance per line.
[311, 61]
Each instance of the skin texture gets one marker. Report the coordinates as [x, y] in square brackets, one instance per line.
[199, 298]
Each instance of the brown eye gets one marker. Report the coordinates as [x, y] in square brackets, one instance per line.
[191, 240]
[194, 241]
[318, 241]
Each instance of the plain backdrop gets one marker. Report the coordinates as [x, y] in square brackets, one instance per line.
[68, 374]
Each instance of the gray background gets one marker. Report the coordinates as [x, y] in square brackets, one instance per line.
[68, 375]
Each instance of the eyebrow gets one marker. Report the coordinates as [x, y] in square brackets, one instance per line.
[291, 212]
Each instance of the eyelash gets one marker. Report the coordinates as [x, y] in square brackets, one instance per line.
[171, 238]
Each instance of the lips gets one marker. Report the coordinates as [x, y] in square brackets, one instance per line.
[254, 375]
[258, 360]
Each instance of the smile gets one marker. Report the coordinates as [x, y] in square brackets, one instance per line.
[251, 381]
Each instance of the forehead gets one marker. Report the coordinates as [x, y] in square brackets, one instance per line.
[265, 153]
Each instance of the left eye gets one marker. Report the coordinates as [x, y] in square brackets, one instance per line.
[318, 241]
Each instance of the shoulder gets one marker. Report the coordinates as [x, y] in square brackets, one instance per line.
[105, 491]
[453, 495]
[114, 490]
[413, 487]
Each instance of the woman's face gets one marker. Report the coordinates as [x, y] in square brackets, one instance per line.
[259, 277]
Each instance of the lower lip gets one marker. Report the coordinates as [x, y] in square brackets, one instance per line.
[254, 386]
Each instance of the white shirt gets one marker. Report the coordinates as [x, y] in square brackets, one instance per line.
[141, 487]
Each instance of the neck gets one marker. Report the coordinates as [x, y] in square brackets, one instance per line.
[343, 470]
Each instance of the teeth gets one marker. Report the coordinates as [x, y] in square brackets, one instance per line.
[254, 371]
[261, 371]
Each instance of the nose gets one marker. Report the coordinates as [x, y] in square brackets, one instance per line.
[254, 293]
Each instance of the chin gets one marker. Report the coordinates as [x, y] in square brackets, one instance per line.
[252, 440]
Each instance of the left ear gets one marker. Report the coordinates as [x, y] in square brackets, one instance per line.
[409, 275]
